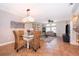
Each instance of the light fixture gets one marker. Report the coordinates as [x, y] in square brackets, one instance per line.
[50, 21]
[74, 19]
[28, 18]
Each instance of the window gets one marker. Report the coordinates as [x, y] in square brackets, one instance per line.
[51, 27]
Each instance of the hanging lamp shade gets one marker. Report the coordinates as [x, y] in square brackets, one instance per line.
[28, 18]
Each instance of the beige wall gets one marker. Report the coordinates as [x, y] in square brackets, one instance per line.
[6, 34]
[60, 27]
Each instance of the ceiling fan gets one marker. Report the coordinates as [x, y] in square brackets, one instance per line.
[71, 3]
[50, 21]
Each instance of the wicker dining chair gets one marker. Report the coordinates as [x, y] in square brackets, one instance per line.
[35, 43]
[19, 42]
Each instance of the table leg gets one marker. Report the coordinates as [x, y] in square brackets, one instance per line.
[27, 44]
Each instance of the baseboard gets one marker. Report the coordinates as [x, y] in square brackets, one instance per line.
[72, 43]
[6, 43]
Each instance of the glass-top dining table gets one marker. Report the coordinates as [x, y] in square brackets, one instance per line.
[28, 38]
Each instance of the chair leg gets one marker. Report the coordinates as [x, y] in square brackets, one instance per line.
[39, 46]
[35, 50]
[15, 46]
[29, 47]
[17, 50]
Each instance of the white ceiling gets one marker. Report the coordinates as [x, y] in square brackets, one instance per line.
[40, 12]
